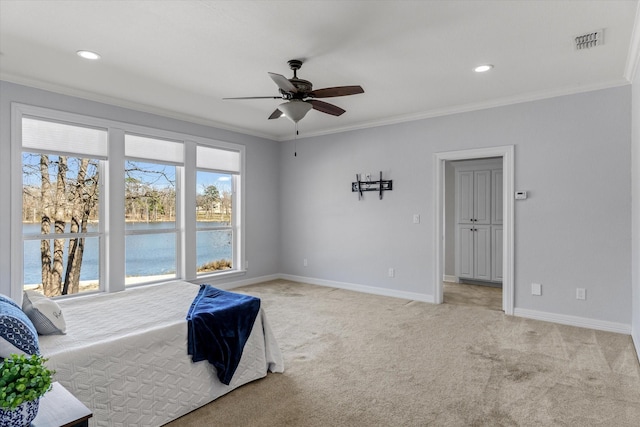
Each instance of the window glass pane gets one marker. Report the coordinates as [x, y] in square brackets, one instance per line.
[213, 199]
[150, 257]
[60, 194]
[47, 267]
[150, 206]
[150, 193]
[214, 250]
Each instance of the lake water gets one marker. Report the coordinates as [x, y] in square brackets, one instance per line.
[145, 255]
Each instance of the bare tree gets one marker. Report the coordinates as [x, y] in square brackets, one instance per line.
[83, 198]
[225, 203]
[52, 211]
[66, 202]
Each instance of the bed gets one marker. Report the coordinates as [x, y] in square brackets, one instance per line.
[124, 356]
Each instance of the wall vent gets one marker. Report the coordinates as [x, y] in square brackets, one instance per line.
[589, 40]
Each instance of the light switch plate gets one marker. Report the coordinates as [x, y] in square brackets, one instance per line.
[536, 289]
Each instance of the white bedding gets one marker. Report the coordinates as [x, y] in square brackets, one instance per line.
[125, 356]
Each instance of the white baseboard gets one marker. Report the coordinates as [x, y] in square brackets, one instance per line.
[227, 284]
[361, 288]
[451, 279]
[564, 319]
[582, 322]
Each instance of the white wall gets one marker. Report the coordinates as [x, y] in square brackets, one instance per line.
[261, 177]
[635, 254]
[571, 155]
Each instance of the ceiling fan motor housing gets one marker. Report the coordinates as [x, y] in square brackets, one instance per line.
[303, 86]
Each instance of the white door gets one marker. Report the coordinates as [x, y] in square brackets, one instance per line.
[482, 252]
[464, 194]
[496, 202]
[496, 253]
[482, 197]
[465, 258]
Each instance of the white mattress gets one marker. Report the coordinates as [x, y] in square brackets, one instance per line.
[125, 356]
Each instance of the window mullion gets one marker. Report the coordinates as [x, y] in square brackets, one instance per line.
[112, 266]
[188, 259]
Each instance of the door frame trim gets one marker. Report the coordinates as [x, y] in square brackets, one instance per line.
[507, 154]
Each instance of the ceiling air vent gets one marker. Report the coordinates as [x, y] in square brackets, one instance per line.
[589, 40]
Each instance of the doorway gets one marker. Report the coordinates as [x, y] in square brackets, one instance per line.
[506, 154]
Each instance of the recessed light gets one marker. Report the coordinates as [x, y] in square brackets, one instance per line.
[87, 54]
[483, 68]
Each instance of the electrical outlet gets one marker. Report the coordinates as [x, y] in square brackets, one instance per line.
[581, 293]
[416, 218]
[536, 289]
[392, 272]
[304, 262]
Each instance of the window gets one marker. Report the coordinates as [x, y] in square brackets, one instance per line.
[214, 209]
[103, 205]
[61, 206]
[215, 218]
[150, 209]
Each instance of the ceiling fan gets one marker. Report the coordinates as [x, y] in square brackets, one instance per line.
[300, 96]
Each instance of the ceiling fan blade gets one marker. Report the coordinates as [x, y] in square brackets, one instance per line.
[276, 114]
[283, 83]
[255, 97]
[330, 92]
[325, 107]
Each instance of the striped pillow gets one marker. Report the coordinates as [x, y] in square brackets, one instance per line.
[44, 312]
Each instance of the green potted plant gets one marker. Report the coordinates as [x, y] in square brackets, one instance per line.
[23, 380]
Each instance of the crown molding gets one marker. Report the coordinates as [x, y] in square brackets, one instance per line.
[501, 102]
[465, 108]
[117, 102]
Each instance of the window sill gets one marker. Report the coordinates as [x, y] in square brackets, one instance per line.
[215, 277]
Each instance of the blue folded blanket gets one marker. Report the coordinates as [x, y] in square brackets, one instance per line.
[219, 324]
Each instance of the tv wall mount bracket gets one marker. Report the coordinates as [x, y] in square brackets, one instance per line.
[359, 186]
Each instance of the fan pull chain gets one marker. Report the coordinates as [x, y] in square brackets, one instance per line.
[295, 142]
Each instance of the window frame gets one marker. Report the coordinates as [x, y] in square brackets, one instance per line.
[179, 166]
[112, 223]
[66, 235]
[175, 230]
[234, 226]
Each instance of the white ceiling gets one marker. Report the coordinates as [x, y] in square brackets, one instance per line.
[414, 59]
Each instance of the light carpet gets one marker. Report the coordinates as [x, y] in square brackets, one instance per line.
[354, 359]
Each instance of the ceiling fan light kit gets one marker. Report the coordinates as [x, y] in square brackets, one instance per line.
[295, 110]
[300, 96]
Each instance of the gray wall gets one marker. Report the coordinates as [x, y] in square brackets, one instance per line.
[262, 172]
[571, 155]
